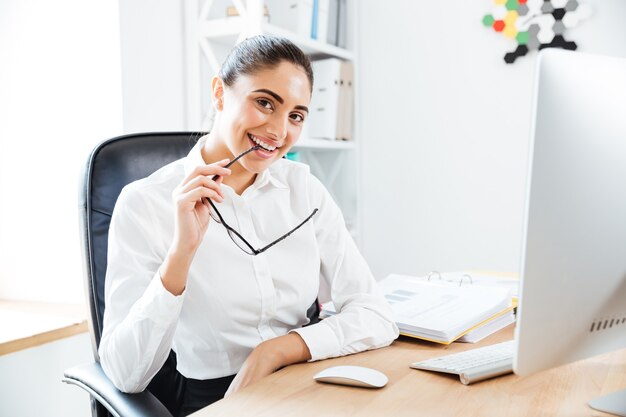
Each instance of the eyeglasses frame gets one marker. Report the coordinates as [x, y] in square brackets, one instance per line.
[254, 251]
[230, 230]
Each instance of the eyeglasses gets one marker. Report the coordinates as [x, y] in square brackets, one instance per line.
[235, 236]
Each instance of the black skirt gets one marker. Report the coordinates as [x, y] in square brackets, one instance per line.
[183, 396]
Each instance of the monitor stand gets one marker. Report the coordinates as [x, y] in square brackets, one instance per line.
[614, 403]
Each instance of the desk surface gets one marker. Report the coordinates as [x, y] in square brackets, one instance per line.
[556, 392]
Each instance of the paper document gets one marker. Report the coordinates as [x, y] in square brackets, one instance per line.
[488, 328]
[439, 311]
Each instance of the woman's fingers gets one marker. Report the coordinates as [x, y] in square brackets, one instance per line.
[202, 181]
[201, 178]
[209, 170]
[196, 194]
[192, 212]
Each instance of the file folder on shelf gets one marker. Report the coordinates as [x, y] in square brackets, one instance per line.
[346, 95]
[330, 114]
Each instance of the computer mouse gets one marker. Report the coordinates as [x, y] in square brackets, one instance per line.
[356, 376]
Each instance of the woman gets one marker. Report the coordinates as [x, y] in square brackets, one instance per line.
[187, 296]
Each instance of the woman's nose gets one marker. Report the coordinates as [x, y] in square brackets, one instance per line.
[277, 127]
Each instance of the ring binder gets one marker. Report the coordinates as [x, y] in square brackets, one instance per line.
[442, 312]
[431, 273]
[466, 275]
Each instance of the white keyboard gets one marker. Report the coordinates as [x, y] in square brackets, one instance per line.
[475, 364]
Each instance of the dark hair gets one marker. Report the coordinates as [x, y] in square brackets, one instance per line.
[263, 52]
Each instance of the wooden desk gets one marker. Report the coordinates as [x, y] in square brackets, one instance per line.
[557, 392]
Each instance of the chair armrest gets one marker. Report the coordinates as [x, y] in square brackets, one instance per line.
[92, 379]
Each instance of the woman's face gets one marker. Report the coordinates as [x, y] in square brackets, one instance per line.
[266, 108]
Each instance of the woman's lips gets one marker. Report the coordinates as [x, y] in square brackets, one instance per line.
[261, 152]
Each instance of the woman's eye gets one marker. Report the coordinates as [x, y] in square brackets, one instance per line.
[264, 103]
[297, 117]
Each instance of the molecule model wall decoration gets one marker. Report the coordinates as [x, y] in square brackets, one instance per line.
[536, 24]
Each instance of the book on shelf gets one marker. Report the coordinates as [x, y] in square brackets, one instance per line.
[333, 22]
[342, 21]
[440, 311]
[293, 15]
[330, 115]
[322, 20]
[319, 24]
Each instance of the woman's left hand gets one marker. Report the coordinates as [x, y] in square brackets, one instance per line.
[267, 358]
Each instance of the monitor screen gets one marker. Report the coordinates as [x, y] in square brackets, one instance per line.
[573, 289]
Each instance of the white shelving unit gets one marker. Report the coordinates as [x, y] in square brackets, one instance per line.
[210, 36]
[228, 30]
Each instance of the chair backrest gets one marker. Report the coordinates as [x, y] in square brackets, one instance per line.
[111, 165]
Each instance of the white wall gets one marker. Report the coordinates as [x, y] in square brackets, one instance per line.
[60, 93]
[153, 65]
[30, 380]
[445, 128]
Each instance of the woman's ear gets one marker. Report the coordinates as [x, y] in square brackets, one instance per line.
[217, 93]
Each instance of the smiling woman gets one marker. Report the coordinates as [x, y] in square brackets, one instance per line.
[179, 288]
[268, 109]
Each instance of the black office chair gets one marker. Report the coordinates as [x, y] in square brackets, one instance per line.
[111, 165]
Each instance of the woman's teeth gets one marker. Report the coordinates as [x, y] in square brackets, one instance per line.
[261, 144]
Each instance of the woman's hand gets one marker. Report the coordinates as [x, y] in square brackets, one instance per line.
[191, 221]
[192, 214]
[268, 357]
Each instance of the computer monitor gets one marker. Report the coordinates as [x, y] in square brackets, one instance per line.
[573, 277]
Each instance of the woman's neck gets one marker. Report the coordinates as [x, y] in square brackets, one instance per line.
[216, 150]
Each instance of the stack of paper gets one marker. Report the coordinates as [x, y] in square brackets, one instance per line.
[439, 311]
[492, 326]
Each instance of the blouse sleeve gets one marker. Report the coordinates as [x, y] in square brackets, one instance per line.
[364, 320]
[140, 315]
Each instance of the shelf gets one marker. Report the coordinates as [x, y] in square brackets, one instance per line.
[308, 45]
[228, 30]
[307, 143]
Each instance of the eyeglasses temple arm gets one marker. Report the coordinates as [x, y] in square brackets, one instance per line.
[230, 228]
[215, 177]
[254, 148]
[287, 235]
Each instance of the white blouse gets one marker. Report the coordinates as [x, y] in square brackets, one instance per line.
[233, 301]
